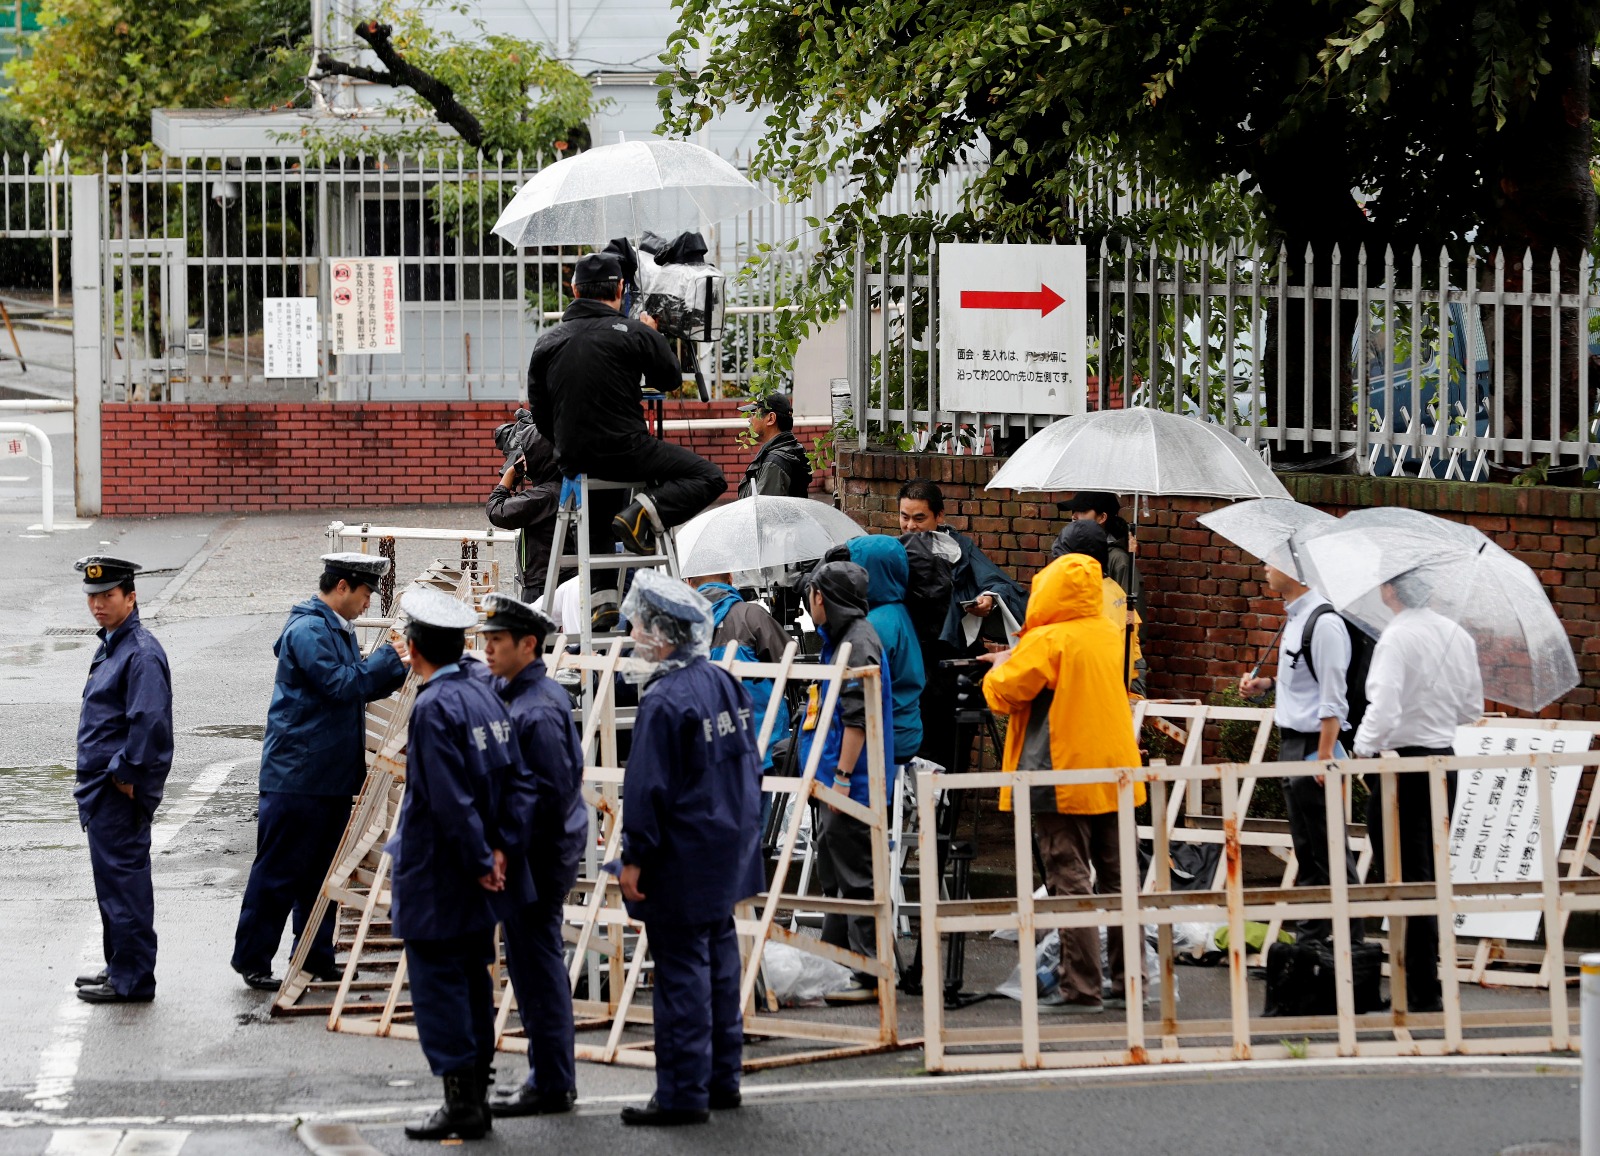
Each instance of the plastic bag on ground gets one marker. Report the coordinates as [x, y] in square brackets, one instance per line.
[797, 978]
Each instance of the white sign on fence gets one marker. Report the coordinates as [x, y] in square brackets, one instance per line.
[289, 332]
[1496, 826]
[366, 305]
[1012, 329]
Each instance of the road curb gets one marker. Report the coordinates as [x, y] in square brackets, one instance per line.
[214, 542]
[325, 1139]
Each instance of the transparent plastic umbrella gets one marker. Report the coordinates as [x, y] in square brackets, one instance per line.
[1523, 652]
[622, 190]
[756, 533]
[1263, 527]
[1138, 451]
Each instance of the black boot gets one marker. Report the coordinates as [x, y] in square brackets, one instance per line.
[635, 527]
[485, 1091]
[462, 1117]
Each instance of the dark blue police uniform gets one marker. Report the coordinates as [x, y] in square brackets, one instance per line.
[124, 734]
[691, 823]
[461, 762]
[541, 715]
[313, 760]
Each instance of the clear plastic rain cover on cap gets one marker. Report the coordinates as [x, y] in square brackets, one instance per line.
[759, 532]
[1523, 651]
[671, 616]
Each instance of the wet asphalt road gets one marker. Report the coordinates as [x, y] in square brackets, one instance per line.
[202, 1070]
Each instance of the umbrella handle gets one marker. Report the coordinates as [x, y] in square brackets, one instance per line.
[1255, 670]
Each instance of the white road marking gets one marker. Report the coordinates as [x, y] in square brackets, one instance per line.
[107, 1142]
[1469, 1066]
[58, 1062]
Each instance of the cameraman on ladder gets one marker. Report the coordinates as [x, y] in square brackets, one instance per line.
[583, 388]
[1322, 670]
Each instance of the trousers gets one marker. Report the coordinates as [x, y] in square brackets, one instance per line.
[1308, 826]
[679, 483]
[1072, 846]
[452, 998]
[297, 837]
[699, 1031]
[1414, 826]
[119, 855]
[844, 871]
[536, 959]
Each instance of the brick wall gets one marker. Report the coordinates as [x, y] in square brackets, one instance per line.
[190, 459]
[1209, 612]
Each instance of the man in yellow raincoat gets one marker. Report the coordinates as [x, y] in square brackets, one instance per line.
[1063, 688]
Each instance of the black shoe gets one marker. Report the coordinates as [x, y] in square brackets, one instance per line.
[262, 980]
[605, 620]
[526, 1101]
[654, 1116]
[725, 1099]
[633, 527]
[461, 1118]
[325, 973]
[94, 980]
[1425, 1006]
[105, 993]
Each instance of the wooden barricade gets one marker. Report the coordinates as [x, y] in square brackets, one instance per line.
[1132, 1039]
[372, 997]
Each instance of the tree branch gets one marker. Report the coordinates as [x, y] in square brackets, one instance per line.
[402, 74]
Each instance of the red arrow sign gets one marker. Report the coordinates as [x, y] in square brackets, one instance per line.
[1045, 300]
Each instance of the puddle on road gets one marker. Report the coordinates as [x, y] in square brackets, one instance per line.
[35, 653]
[37, 794]
[253, 732]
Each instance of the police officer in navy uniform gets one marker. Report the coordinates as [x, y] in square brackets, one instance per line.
[313, 761]
[541, 714]
[691, 819]
[450, 853]
[124, 754]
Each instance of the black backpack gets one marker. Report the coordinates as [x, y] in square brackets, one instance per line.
[1362, 645]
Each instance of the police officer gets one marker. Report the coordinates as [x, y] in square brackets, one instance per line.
[313, 761]
[450, 854]
[124, 754]
[691, 814]
[541, 715]
[583, 389]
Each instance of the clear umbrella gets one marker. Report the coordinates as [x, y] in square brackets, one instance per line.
[1263, 527]
[622, 190]
[1138, 451]
[1523, 652]
[760, 532]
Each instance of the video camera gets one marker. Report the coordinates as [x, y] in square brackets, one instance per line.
[511, 439]
[969, 679]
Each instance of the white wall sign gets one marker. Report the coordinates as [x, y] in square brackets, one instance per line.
[1496, 826]
[366, 305]
[1012, 329]
[290, 334]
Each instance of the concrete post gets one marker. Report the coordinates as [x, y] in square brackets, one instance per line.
[88, 364]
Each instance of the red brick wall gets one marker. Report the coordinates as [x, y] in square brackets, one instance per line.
[191, 459]
[1209, 614]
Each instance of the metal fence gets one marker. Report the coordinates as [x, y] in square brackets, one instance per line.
[1437, 364]
[192, 248]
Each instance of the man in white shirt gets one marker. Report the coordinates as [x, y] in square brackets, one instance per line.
[1424, 682]
[1312, 706]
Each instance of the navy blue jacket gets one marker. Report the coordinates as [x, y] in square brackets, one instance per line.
[691, 797]
[541, 714]
[461, 761]
[316, 725]
[125, 725]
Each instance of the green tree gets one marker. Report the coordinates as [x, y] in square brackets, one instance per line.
[1453, 118]
[96, 69]
[500, 93]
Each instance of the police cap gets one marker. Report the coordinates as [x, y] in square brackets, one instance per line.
[502, 612]
[102, 572]
[436, 610]
[356, 569]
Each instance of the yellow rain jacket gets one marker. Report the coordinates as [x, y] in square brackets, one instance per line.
[1066, 665]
